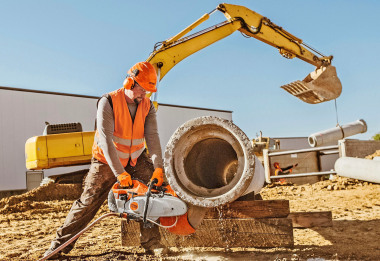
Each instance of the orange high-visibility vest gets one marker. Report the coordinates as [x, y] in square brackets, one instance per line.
[128, 136]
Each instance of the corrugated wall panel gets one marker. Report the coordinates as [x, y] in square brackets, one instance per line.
[23, 115]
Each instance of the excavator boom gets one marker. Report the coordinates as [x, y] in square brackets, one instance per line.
[251, 24]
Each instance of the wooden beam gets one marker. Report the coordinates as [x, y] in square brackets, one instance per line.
[225, 233]
[251, 209]
[311, 219]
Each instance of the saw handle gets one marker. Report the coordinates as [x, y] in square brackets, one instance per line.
[148, 194]
[153, 182]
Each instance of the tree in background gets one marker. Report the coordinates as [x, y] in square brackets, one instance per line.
[376, 137]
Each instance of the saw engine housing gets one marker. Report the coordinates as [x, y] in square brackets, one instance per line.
[161, 203]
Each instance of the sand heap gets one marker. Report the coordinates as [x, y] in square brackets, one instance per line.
[336, 183]
[38, 198]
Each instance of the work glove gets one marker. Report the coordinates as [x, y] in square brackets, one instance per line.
[125, 179]
[159, 175]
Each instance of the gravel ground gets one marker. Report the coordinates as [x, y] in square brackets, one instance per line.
[28, 223]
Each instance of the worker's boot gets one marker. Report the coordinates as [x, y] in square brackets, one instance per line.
[164, 251]
[150, 240]
[158, 250]
[53, 247]
[55, 256]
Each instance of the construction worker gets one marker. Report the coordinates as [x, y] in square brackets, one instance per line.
[281, 171]
[124, 118]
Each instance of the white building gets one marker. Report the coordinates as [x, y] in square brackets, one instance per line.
[23, 114]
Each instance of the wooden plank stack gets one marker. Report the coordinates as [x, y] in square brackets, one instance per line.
[257, 223]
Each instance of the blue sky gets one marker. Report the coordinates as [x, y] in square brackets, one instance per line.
[86, 47]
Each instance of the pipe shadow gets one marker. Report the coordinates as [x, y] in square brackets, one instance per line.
[346, 239]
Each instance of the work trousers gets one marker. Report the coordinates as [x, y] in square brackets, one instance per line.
[97, 185]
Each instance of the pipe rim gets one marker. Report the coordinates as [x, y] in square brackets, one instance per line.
[246, 156]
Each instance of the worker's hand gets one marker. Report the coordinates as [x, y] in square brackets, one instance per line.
[295, 165]
[125, 179]
[159, 175]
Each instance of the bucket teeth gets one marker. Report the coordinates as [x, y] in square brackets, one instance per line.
[318, 86]
[301, 91]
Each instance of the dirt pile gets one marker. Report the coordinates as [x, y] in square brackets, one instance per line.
[340, 183]
[35, 199]
[336, 183]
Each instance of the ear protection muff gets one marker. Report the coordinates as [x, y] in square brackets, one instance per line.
[129, 82]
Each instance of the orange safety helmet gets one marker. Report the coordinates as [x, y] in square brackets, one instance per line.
[276, 164]
[144, 74]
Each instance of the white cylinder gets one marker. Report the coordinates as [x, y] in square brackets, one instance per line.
[209, 162]
[258, 180]
[333, 135]
[356, 168]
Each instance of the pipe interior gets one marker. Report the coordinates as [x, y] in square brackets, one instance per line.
[211, 163]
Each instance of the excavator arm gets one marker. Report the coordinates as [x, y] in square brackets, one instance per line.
[321, 85]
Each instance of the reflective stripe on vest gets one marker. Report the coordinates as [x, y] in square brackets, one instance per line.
[128, 136]
[127, 142]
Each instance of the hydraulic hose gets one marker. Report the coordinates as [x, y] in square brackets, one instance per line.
[122, 215]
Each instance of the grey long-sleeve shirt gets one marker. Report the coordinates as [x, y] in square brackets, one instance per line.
[106, 127]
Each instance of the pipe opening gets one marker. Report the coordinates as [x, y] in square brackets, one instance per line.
[211, 163]
[312, 141]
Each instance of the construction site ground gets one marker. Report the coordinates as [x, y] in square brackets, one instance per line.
[28, 223]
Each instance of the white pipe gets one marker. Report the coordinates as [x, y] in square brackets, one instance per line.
[333, 135]
[258, 180]
[209, 162]
[356, 168]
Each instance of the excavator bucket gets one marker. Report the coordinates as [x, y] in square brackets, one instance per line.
[319, 86]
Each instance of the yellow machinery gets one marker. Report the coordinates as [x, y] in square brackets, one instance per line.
[321, 85]
[59, 149]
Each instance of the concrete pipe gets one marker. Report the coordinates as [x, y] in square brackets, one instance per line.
[331, 136]
[356, 168]
[209, 162]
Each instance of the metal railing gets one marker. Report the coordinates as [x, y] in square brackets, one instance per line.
[326, 150]
[321, 173]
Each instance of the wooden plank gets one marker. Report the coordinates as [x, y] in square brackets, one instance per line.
[225, 233]
[311, 219]
[130, 233]
[251, 209]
